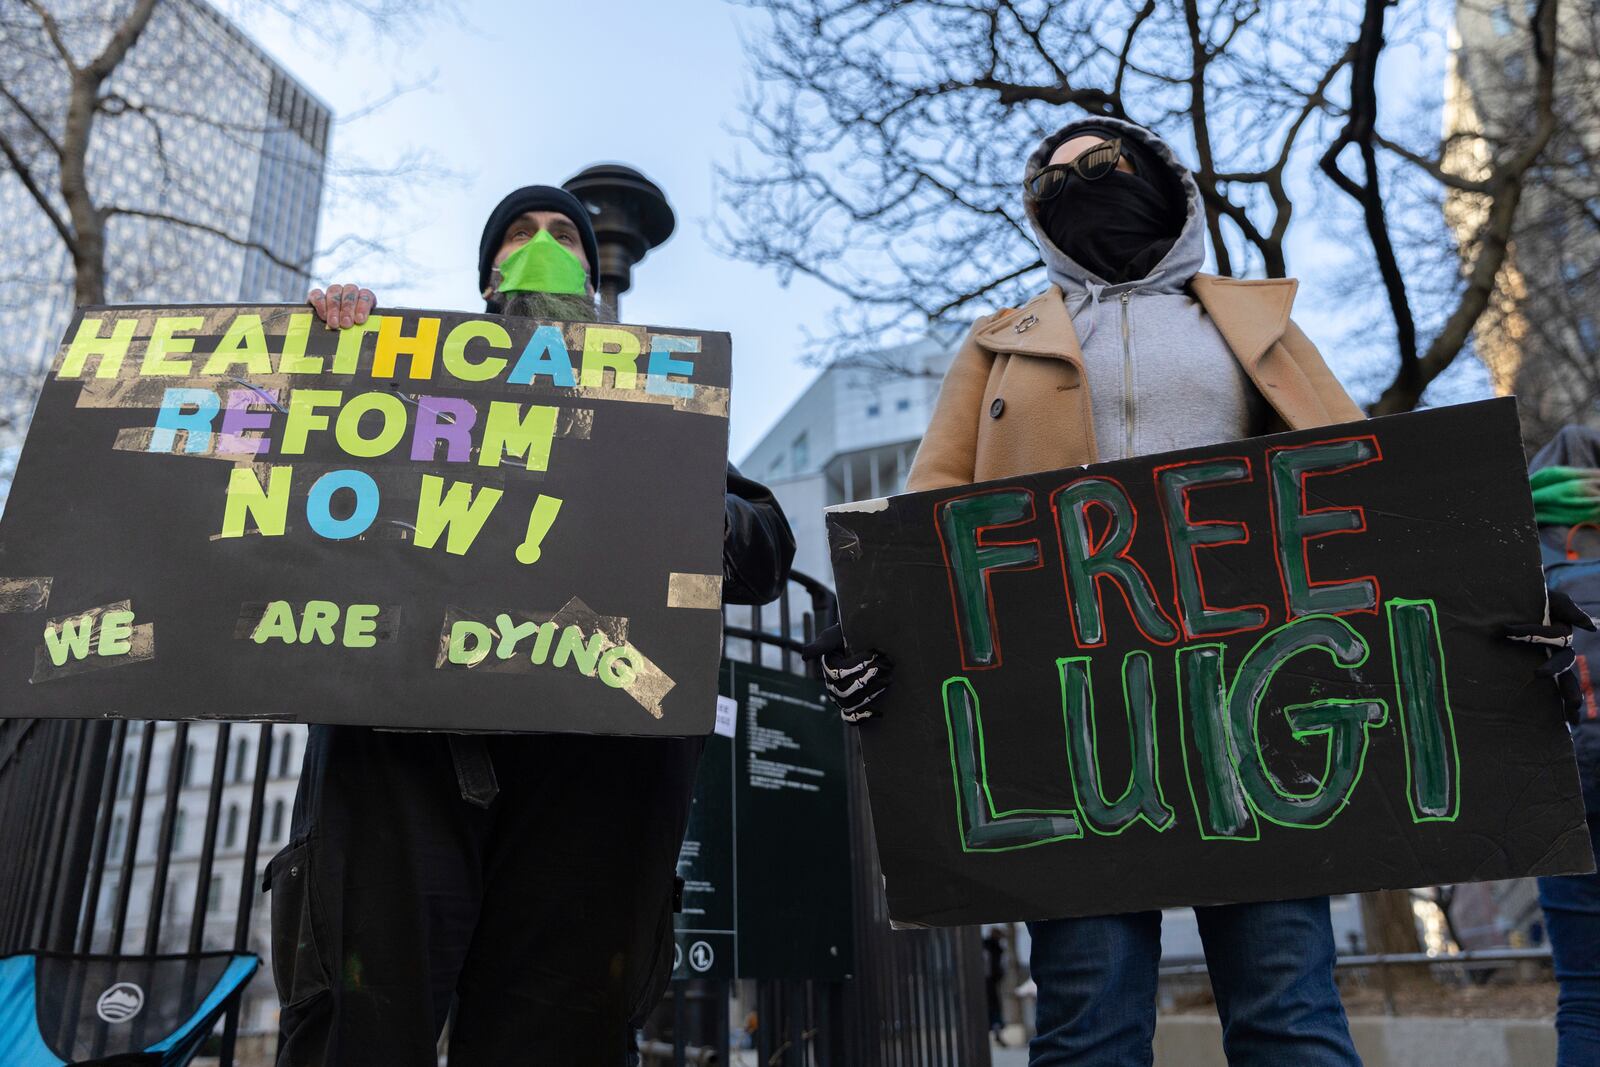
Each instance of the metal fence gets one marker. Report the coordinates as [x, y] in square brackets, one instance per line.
[917, 996]
[76, 805]
[96, 824]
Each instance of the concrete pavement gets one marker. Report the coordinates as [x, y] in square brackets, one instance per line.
[1404, 1041]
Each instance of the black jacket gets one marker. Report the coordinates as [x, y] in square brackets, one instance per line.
[757, 544]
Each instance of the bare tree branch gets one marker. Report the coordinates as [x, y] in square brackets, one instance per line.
[1494, 237]
[1359, 130]
[25, 176]
[52, 30]
[205, 227]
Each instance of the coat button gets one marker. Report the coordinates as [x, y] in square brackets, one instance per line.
[997, 408]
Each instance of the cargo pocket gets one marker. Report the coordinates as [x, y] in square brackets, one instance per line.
[299, 967]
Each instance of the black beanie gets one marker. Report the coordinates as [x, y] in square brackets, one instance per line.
[535, 198]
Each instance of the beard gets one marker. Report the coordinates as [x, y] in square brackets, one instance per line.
[563, 307]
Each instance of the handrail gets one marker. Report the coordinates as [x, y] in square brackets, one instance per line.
[1189, 965]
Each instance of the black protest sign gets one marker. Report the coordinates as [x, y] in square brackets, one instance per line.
[765, 858]
[1263, 670]
[433, 521]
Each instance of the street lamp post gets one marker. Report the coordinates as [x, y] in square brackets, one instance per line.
[630, 215]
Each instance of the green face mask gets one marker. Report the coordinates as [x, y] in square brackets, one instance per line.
[542, 266]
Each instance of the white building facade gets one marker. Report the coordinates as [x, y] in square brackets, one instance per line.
[850, 436]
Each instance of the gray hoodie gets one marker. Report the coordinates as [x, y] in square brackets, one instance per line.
[1160, 376]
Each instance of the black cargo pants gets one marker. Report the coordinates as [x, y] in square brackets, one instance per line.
[547, 914]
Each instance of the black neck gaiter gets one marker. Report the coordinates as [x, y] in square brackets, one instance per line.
[1119, 226]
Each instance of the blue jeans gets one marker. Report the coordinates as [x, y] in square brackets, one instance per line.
[1271, 969]
[1572, 915]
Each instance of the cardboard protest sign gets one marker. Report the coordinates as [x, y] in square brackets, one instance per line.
[765, 858]
[432, 521]
[1262, 670]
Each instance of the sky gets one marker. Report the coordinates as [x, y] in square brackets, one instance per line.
[533, 92]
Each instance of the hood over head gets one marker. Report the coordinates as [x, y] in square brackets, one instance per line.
[1158, 164]
[1572, 446]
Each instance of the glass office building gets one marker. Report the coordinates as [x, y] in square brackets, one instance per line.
[199, 124]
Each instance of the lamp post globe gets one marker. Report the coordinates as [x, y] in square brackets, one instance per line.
[630, 215]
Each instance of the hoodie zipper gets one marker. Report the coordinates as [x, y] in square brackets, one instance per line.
[1127, 377]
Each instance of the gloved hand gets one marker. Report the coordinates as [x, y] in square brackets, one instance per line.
[853, 679]
[1556, 634]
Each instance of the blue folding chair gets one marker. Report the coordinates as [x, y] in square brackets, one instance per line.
[114, 1011]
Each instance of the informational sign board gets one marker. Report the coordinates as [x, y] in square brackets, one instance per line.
[1263, 670]
[766, 859]
[432, 521]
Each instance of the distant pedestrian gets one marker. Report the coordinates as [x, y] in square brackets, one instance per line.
[1566, 496]
[994, 953]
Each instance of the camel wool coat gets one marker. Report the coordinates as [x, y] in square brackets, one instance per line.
[1015, 399]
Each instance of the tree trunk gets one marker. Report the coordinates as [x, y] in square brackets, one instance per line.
[89, 247]
[1391, 927]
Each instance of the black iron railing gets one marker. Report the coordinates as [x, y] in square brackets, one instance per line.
[917, 996]
[97, 821]
[79, 802]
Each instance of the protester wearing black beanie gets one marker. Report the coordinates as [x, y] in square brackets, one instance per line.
[535, 198]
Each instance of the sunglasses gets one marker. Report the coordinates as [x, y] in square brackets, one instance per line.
[1092, 164]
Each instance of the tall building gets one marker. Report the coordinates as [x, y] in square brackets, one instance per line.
[204, 126]
[1540, 339]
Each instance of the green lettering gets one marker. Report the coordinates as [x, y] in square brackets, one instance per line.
[70, 637]
[1186, 537]
[1433, 762]
[511, 632]
[391, 411]
[1141, 798]
[116, 634]
[458, 513]
[277, 621]
[246, 499]
[109, 352]
[583, 651]
[455, 350]
[245, 343]
[360, 625]
[318, 620]
[541, 643]
[1344, 724]
[1089, 560]
[469, 642]
[1202, 722]
[980, 827]
[619, 666]
[609, 348]
[1294, 524]
[164, 340]
[971, 559]
[508, 430]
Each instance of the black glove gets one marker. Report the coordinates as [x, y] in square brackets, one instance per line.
[853, 679]
[1556, 635]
